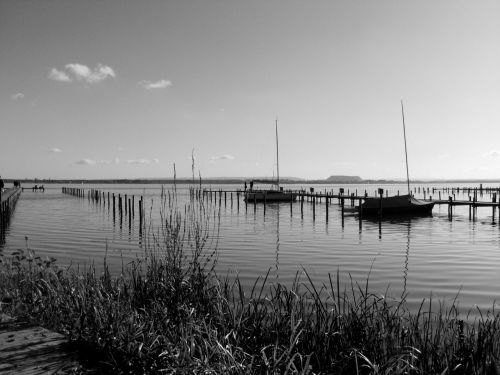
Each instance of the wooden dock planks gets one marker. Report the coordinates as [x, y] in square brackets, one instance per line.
[29, 350]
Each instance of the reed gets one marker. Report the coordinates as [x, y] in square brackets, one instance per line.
[169, 311]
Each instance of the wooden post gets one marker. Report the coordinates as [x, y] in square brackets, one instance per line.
[326, 207]
[140, 216]
[360, 213]
[302, 206]
[314, 207]
[129, 211]
[265, 202]
[381, 194]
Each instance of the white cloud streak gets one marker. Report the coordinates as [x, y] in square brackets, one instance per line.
[161, 84]
[82, 73]
[86, 162]
[223, 157]
[143, 161]
[491, 154]
[17, 96]
[116, 161]
[55, 150]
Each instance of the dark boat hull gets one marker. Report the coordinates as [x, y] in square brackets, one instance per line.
[269, 196]
[398, 205]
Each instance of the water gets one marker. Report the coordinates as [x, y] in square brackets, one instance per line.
[420, 257]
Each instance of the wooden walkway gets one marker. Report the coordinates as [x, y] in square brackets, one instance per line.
[29, 350]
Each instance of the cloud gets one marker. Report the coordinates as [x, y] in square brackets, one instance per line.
[17, 96]
[143, 161]
[115, 161]
[86, 162]
[82, 73]
[59, 76]
[55, 150]
[161, 84]
[222, 157]
[491, 154]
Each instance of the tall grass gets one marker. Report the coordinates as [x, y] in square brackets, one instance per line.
[169, 311]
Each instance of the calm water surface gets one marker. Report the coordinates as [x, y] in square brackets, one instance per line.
[423, 257]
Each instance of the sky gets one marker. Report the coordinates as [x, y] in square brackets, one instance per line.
[129, 89]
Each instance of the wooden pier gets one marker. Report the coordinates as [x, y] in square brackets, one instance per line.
[346, 198]
[28, 349]
[124, 207]
[8, 200]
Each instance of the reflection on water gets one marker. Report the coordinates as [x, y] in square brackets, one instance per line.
[407, 257]
[446, 256]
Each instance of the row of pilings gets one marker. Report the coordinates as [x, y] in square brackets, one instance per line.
[8, 200]
[121, 205]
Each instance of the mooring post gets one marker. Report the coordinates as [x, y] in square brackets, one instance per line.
[360, 213]
[302, 206]
[450, 206]
[326, 207]
[140, 216]
[314, 207]
[381, 194]
[265, 202]
[493, 206]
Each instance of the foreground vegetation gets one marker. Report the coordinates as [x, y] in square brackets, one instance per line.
[169, 312]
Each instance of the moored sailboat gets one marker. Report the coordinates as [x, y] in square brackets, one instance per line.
[401, 204]
[276, 193]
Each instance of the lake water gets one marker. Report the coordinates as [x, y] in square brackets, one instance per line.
[423, 257]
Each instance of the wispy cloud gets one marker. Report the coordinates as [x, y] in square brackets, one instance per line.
[86, 162]
[161, 84]
[55, 150]
[491, 154]
[143, 161]
[222, 157]
[59, 76]
[17, 96]
[115, 161]
[82, 73]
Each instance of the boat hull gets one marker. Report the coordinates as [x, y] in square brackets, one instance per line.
[268, 196]
[398, 205]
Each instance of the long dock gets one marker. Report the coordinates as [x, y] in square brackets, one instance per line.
[8, 200]
[352, 198]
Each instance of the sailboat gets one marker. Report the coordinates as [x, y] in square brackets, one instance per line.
[276, 193]
[401, 204]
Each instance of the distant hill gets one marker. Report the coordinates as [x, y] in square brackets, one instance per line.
[346, 179]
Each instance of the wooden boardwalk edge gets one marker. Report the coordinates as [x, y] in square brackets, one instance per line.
[28, 349]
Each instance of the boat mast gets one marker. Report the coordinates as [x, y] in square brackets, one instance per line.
[277, 153]
[406, 152]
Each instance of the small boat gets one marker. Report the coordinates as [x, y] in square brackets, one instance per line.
[401, 204]
[276, 194]
[269, 195]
